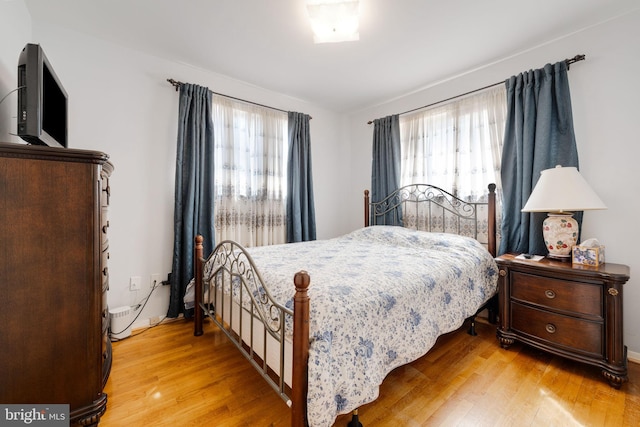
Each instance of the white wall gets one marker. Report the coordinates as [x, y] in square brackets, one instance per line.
[605, 89]
[120, 103]
[15, 32]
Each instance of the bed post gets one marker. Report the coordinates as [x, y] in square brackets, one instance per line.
[300, 350]
[197, 256]
[492, 304]
[366, 208]
[492, 220]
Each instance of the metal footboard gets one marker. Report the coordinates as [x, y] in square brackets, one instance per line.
[236, 300]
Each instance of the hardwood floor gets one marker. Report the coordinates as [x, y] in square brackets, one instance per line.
[167, 377]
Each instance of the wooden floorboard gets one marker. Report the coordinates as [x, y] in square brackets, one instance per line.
[165, 376]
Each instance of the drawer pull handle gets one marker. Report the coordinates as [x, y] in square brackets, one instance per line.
[105, 271]
[550, 294]
[550, 328]
[107, 190]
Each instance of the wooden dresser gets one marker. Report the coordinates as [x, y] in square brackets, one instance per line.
[570, 310]
[54, 345]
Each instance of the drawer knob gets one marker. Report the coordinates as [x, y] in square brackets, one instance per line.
[549, 294]
[612, 292]
[502, 273]
[550, 328]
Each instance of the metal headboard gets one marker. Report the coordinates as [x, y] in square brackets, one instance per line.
[430, 208]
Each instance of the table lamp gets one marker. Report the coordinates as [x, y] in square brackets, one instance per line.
[560, 191]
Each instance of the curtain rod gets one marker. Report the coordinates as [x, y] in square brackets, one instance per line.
[568, 61]
[177, 85]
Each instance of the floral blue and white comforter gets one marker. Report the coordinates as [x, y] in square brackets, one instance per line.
[380, 296]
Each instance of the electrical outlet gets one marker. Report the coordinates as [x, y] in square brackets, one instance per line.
[135, 283]
[156, 280]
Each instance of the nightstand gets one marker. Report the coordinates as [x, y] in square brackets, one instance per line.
[570, 310]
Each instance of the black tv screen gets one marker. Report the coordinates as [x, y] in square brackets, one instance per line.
[42, 100]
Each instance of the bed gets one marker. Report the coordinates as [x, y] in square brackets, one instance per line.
[325, 321]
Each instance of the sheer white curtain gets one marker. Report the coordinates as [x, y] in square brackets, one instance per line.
[456, 146]
[250, 172]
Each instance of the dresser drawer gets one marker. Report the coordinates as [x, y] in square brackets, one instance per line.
[105, 346]
[560, 295]
[104, 227]
[105, 194]
[104, 272]
[105, 314]
[106, 357]
[570, 332]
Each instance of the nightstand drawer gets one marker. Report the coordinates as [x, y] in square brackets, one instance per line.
[576, 334]
[561, 295]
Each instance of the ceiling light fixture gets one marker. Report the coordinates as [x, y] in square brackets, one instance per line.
[334, 21]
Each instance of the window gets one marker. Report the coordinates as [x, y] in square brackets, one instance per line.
[456, 146]
[250, 172]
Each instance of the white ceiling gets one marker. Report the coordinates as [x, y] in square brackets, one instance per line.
[404, 45]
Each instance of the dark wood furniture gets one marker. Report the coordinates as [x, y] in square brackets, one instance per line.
[570, 310]
[54, 346]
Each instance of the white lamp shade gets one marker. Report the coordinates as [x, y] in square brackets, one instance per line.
[562, 189]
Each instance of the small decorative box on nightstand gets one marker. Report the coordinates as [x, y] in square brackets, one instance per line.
[573, 311]
[587, 256]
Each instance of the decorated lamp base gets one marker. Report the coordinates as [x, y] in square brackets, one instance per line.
[560, 232]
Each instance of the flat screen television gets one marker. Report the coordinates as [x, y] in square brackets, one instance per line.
[42, 100]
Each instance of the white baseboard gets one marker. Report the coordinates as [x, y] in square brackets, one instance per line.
[153, 321]
[146, 323]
